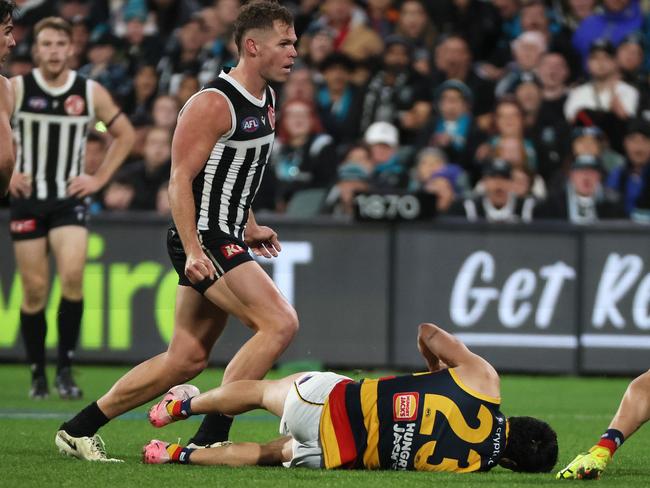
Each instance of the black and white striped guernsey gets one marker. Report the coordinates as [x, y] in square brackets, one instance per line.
[50, 127]
[227, 184]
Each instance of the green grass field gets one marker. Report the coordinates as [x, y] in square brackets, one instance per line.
[578, 408]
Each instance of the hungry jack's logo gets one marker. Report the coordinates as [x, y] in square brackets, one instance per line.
[405, 406]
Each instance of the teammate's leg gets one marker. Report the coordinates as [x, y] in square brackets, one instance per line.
[247, 292]
[33, 267]
[198, 324]
[633, 412]
[69, 244]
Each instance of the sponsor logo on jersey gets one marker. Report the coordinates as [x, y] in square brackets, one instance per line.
[37, 103]
[271, 114]
[22, 226]
[405, 406]
[231, 250]
[74, 105]
[250, 124]
[402, 446]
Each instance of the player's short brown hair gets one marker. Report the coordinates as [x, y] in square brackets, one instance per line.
[7, 9]
[260, 14]
[56, 23]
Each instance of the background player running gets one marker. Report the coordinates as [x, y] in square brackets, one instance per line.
[7, 42]
[633, 412]
[444, 420]
[220, 150]
[54, 109]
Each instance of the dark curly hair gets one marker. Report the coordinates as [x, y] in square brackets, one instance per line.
[260, 14]
[531, 446]
[7, 9]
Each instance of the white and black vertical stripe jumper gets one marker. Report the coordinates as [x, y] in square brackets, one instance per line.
[227, 184]
[50, 127]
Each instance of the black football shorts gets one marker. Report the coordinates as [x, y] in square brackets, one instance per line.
[225, 251]
[31, 218]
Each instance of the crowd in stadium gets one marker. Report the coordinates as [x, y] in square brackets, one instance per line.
[507, 110]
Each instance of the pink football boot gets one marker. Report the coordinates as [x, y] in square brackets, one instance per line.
[158, 414]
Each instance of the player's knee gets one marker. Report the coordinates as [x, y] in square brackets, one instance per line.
[640, 387]
[71, 284]
[287, 324]
[34, 295]
[188, 366]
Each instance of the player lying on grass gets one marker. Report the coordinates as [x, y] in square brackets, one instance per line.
[445, 420]
[632, 413]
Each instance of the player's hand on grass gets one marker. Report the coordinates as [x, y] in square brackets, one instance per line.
[199, 267]
[84, 185]
[262, 240]
[20, 185]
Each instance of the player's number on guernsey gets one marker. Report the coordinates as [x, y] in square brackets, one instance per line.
[442, 404]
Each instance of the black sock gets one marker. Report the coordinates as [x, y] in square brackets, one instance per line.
[69, 324]
[214, 428]
[86, 423]
[33, 328]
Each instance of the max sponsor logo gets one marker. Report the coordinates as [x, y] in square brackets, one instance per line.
[22, 226]
[405, 406]
[231, 250]
[250, 124]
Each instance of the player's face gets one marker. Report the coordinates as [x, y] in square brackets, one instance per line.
[277, 52]
[7, 41]
[53, 48]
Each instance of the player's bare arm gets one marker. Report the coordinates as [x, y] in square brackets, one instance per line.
[20, 185]
[123, 135]
[441, 349]
[7, 158]
[202, 123]
[262, 240]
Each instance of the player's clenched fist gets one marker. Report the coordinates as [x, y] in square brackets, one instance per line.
[199, 267]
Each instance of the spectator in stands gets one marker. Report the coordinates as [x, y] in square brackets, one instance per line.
[171, 14]
[553, 72]
[498, 203]
[319, 48]
[139, 103]
[523, 181]
[509, 122]
[303, 157]
[618, 19]
[441, 185]
[20, 62]
[630, 58]
[582, 199]
[508, 11]
[454, 129]
[103, 66]
[348, 23]
[96, 145]
[527, 50]
[388, 162]
[300, 85]
[605, 100]
[339, 102]
[629, 180]
[353, 177]
[453, 61]
[137, 184]
[575, 11]
[188, 86]
[397, 94]
[142, 48]
[549, 132]
[415, 26]
[536, 17]
[591, 141]
[185, 54]
[80, 40]
[165, 112]
[218, 20]
[513, 150]
[432, 162]
[382, 16]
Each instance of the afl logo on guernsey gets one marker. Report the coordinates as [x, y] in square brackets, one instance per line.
[74, 105]
[405, 406]
[37, 103]
[250, 124]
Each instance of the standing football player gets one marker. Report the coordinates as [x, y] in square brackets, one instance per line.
[7, 42]
[220, 151]
[54, 107]
[633, 412]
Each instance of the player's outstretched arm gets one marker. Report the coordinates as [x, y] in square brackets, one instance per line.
[7, 157]
[123, 138]
[633, 412]
[202, 122]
